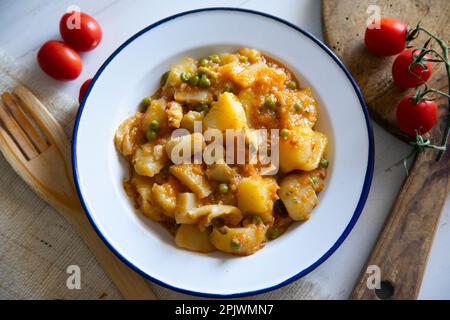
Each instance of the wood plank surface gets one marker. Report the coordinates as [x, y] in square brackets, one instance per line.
[402, 248]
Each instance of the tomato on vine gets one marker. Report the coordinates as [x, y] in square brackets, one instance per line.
[387, 40]
[416, 116]
[411, 68]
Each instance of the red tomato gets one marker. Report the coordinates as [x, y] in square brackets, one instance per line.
[59, 61]
[83, 89]
[80, 31]
[412, 117]
[405, 78]
[388, 40]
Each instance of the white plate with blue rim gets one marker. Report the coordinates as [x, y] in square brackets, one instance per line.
[134, 71]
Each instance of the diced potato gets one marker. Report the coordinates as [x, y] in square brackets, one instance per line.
[249, 103]
[182, 148]
[248, 76]
[256, 195]
[193, 177]
[230, 215]
[149, 159]
[174, 114]
[220, 171]
[318, 178]
[190, 118]
[127, 135]
[190, 237]
[226, 113]
[185, 202]
[166, 197]
[252, 54]
[193, 96]
[187, 65]
[239, 241]
[228, 70]
[320, 142]
[144, 190]
[302, 150]
[298, 195]
[301, 109]
[205, 215]
[269, 78]
[155, 111]
[226, 58]
[296, 150]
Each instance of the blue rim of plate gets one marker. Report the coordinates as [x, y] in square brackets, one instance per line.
[367, 179]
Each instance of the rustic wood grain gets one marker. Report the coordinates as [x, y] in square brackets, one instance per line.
[402, 248]
[344, 22]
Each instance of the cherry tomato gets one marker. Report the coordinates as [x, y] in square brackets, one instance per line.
[388, 40]
[412, 117]
[59, 61]
[406, 78]
[83, 89]
[80, 31]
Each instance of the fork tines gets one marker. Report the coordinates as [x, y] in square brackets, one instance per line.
[21, 127]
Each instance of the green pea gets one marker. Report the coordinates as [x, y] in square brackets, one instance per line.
[235, 244]
[165, 76]
[292, 85]
[273, 233]
[154, 125]
[270, 101]
[151, 135]
[298, 106]
[214, 58]
[284, 133]
[184, 77]
[194, 80]
[204, 82]
[314, 179]
[146, 102]
[243, 59]
[223, 188]
[324, 163]
[203, 62]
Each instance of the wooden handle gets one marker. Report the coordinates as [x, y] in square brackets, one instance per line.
[131, 285]
[402, 248]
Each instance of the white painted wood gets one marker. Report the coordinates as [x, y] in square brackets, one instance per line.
[25, 26]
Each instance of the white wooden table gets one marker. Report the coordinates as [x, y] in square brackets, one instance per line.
[26, 25]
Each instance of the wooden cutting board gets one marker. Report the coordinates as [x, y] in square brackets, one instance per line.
[402, 248]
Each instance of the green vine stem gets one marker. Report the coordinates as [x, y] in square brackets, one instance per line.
[422, 143]
[418, 146]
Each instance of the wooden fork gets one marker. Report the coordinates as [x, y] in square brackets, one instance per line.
[36, 147]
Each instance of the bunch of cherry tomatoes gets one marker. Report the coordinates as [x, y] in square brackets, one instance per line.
[60, 60]
[412, 68]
